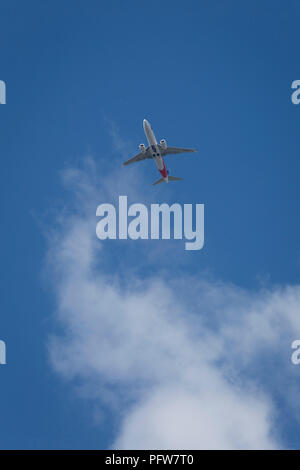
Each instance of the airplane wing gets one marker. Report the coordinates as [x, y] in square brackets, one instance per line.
[137, 158]
[174, 150]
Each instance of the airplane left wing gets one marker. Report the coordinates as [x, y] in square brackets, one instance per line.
[137, 158]
[174, 150]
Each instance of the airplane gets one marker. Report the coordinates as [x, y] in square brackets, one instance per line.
[157, 152]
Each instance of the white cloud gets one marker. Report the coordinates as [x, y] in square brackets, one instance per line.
[211, 415]
[171, 353]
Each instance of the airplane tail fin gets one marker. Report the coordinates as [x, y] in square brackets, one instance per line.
[170, 178]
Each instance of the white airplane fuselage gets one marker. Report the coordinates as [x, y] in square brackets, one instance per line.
[155, 151]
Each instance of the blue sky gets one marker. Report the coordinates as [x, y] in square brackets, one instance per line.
[212, 75]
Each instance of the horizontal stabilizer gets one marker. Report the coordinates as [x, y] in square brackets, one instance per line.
[170, 178]
[161, 180]
[174, 178]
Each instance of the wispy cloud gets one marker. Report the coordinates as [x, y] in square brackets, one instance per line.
[187, 362]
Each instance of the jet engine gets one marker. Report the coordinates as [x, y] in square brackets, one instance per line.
[142, 148]
[163, 144]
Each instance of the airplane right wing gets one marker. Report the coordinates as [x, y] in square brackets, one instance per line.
[174, 150]
[137, 158]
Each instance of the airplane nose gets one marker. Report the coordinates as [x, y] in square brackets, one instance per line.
[145, 123]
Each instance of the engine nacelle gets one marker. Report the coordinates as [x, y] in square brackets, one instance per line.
[142, 148]
[163, 144]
